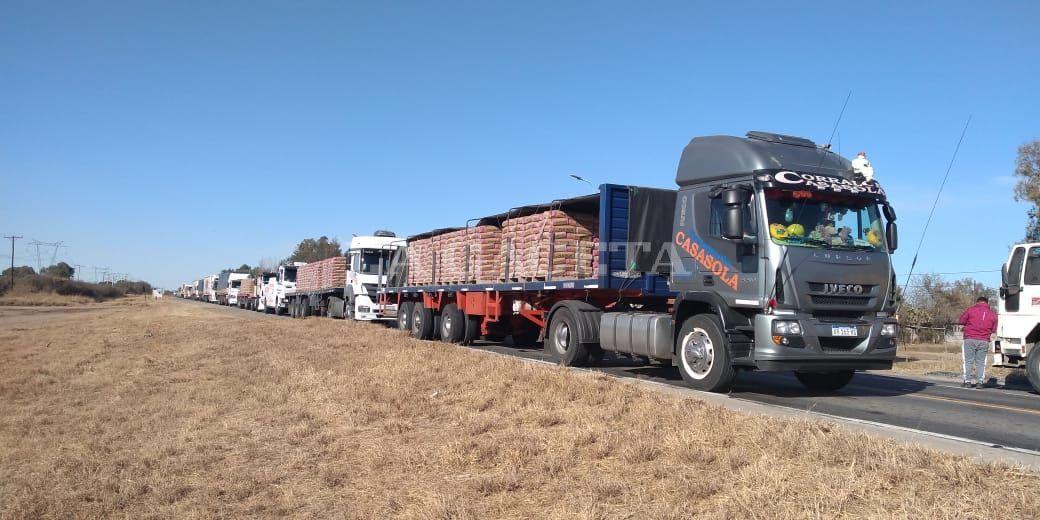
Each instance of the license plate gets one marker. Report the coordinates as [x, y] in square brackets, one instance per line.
[843, 330]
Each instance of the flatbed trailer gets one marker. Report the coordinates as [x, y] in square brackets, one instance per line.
[462, 312]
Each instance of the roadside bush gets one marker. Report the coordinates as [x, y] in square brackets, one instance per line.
[65, 287]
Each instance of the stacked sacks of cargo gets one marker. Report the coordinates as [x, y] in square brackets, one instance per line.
[324, 274]
[420, 261]
[468, 255]
[571, 239]
[333, 272]
[248, 288]
[308, 277]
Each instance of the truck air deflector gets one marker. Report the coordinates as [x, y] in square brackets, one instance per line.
[719, 157]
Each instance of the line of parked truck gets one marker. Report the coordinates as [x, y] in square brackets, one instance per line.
[773, 254]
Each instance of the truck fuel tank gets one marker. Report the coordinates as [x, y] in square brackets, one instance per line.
[638, 333]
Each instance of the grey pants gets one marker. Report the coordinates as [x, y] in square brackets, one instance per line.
[974, 352]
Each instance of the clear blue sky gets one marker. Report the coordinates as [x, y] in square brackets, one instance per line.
[165, 139]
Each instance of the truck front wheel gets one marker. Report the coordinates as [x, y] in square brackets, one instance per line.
[703, 356]
[1033, 367]
[825, 381]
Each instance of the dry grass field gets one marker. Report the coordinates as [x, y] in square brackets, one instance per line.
[39, 299]
[172, 409]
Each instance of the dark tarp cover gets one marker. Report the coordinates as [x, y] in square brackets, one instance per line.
[397, 272]
[650, 213]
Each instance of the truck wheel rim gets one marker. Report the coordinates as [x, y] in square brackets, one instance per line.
[563, 337]
[698, 354]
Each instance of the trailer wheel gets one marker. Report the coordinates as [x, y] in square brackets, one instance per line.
[472, 331]
[1033, 367]
[452, 324]
[422, 322]
[703, 356]
[564, 340]
[825, 381]
[404, 316]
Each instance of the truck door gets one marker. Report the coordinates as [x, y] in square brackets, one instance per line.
[1013, 280]
[707, 260]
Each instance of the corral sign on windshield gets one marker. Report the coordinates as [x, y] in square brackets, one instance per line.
[830, 183]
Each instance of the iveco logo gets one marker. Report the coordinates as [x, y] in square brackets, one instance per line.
[861, 258]
[842, 288]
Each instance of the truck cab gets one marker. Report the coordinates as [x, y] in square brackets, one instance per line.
[263, 284]
[210, 288]
[1018, 312]
[368, 261]
[280, 287]
[782, 262]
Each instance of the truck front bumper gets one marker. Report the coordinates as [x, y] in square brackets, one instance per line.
[820, 347]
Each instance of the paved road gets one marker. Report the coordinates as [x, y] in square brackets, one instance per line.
[997, 417]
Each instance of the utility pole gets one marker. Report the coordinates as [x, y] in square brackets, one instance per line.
[75, 274]
[12, 238]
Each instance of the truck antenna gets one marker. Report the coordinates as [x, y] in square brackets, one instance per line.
[932, 211]
[836, 123]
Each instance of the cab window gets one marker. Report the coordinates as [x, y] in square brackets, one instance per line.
[1032, 275]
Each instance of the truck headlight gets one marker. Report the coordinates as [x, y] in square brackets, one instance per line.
[889, 329]
[786, 328]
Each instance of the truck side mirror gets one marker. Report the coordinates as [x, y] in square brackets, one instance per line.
[892, 235]
[889, 212]
[735, 199]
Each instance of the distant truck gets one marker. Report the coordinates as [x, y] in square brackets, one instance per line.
[260, 288]
[774, 254]
[1018, 313]
[346, 286]
[279, 287]
[209, 288]
[228, 284]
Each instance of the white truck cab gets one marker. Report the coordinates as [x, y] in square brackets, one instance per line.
[234, 285]
[263, 282]
[210, 288]
[1018, 326]
[279, 287]
[368, 260]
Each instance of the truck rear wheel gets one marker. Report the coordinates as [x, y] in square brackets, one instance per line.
[825, 381]
[422, 322]
[564, 340]
[472, 331]
[452, 324]
[703, 356]
[404, 316]
[1033, 367]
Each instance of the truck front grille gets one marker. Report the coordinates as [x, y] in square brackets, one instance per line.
[819, 299]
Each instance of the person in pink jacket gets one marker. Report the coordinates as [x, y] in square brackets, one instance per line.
[980, 322]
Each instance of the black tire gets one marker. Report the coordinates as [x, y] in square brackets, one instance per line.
[348, 305]
[825, 381]
[563, 341]
[452, 324]
[1033, 367]
[472, 331]
[422, 322]
[404, 316]
[702, 354]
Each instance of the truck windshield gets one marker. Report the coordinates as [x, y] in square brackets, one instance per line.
[290, 274]
[811, 219]
[370, 260]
